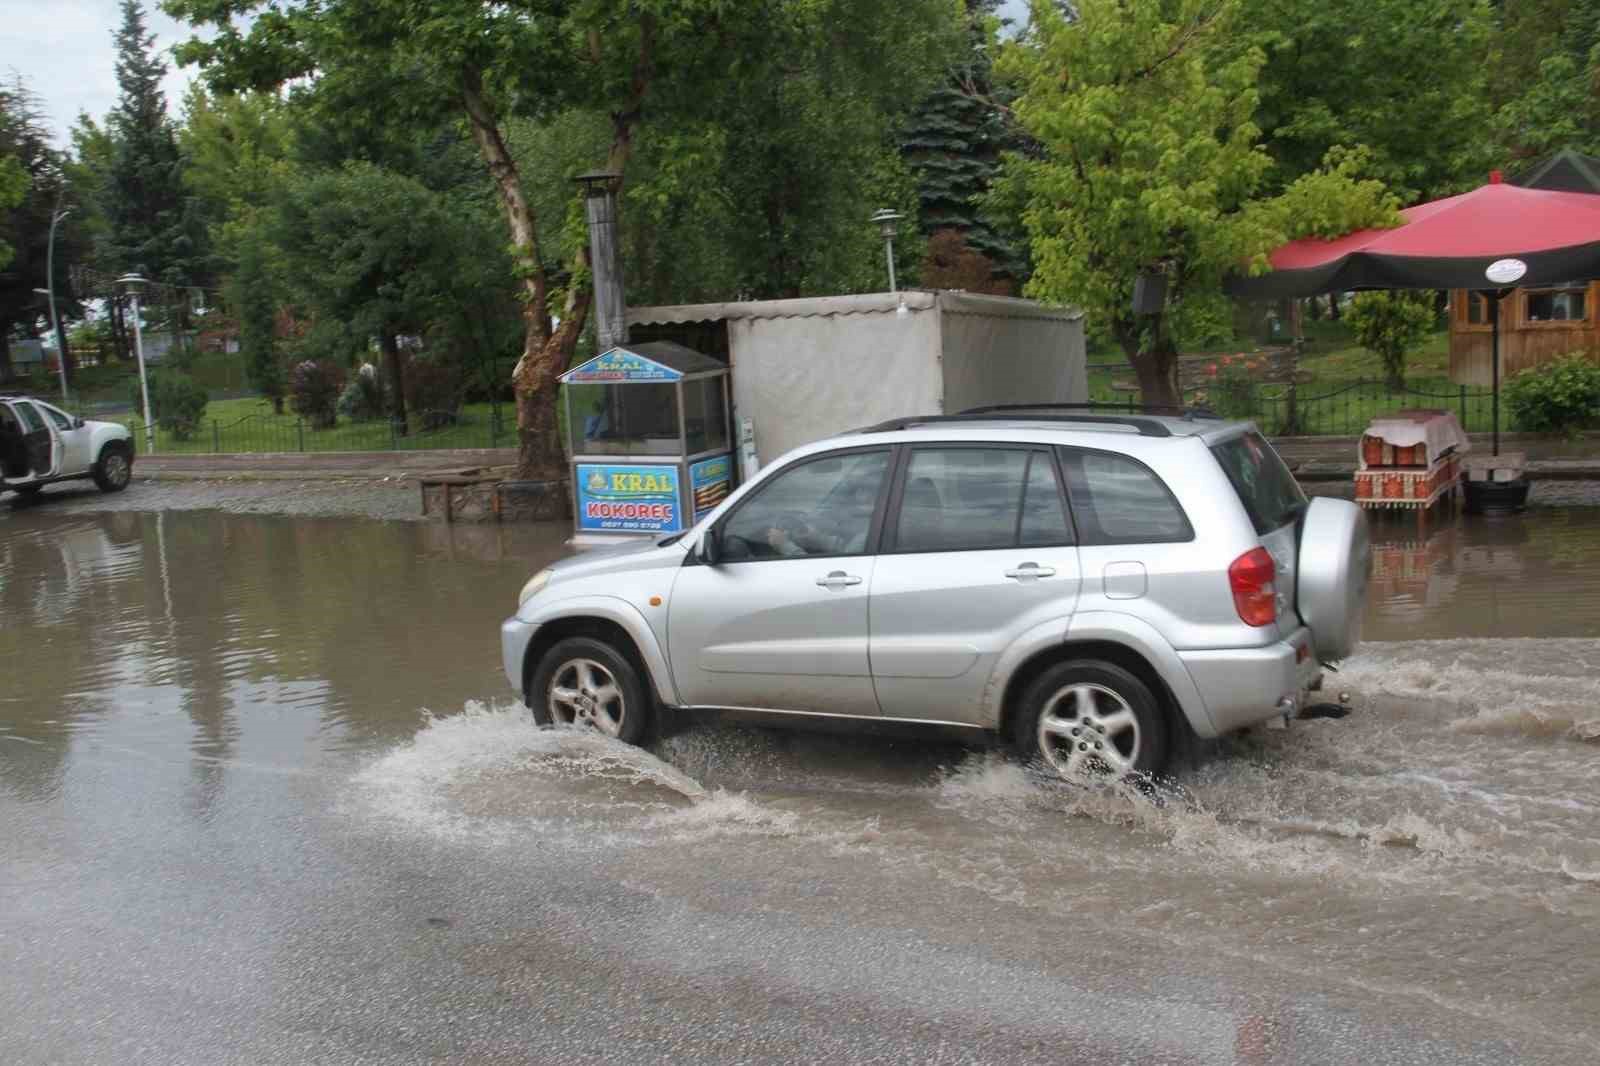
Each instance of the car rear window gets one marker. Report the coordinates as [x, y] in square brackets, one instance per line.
[1271, 496]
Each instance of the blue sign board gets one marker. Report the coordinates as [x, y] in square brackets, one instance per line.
[619, 364]
[628, 499]
[710, 480]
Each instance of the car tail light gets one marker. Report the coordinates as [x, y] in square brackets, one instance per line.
[1255, 595]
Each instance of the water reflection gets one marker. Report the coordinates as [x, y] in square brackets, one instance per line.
[121, 625]
[1526, 575]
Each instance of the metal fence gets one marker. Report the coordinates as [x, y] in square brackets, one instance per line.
[1297, 410]
[1280, 411]
[266, 432]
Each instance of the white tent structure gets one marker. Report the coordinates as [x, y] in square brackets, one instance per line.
[805, 369]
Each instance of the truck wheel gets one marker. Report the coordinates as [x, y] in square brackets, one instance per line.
[583, 681]
[1092, 720]
[114, 468]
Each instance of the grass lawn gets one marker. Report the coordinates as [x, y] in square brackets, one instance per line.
[249, 425]
[1345, 392]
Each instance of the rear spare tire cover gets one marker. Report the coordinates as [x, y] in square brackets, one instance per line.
[1335, 562]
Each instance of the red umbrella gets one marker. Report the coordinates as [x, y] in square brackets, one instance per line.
[1492, 239]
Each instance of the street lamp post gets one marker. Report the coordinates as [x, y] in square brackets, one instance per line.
[133, 285]
[886, 220]
[55, 319]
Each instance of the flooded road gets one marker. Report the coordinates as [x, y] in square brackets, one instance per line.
[267, 800]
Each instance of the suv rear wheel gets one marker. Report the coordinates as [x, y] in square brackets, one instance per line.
[1092, 720]
[584, 681]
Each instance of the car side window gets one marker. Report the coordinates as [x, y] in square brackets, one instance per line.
[1118, 500]
[973, 499]
[61, 420]
[31, 422]
[818, 507]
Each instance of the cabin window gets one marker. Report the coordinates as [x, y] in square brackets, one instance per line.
[1477, 309]
[1560, 303]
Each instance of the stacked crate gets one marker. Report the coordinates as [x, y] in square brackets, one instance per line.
[1403, 476]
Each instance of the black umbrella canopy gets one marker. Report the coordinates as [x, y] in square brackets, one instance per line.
[1493, 239]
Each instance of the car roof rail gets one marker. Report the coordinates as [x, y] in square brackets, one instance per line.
[1146, 427]
[1188, 412]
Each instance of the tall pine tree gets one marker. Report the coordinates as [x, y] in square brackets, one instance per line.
[952, 143]
[152, 225]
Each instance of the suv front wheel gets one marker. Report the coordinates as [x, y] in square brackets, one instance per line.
[1090, 720]
[584, 681]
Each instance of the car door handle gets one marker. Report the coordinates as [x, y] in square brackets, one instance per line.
[1028, 571]
[838, 579]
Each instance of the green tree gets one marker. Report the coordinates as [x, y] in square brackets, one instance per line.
[14, 182]
[375, 253]
[1150, 162]
[421, 61]
[1407, 79]
[1392, 325]
[152, 224]
[252, 294]
[953, 142]
[25, 225]
[1545, 66]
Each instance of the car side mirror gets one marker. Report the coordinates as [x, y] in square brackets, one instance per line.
[78, 423]
[711, 547]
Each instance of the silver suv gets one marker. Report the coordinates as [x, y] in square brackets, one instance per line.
[1086, 586]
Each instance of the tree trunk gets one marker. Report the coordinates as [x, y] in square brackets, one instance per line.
[546, 352]
[536, 460]
[1154, 364]
[1333, 306]
[1394, 367]
[66, 357]
[119, 331]
[389, 344]
[5, 357]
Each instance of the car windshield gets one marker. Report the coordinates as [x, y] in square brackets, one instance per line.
[1270, 494]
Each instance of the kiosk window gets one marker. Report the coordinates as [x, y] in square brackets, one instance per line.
[705, 419]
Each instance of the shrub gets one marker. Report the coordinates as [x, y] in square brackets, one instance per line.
[1393, 325]
[363, 398]
[177, 402]
[433, 392]
[1562, 396]
[314, 387]
[1229, 387]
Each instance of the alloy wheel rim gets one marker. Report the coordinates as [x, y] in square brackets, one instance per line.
[584, 692]
[116, 469]
[1089, 731]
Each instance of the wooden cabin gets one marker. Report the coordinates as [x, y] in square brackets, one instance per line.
[1536, 326]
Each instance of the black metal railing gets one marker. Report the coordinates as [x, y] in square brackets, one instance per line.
[1299, 410]
[267, 432]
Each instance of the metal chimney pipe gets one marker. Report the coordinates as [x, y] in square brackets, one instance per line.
[600, 207]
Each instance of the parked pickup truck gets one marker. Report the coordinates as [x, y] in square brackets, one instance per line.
[40, 444]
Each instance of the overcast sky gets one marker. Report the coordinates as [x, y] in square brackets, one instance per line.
[64, 52]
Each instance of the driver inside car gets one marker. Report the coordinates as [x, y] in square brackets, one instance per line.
[794, 535]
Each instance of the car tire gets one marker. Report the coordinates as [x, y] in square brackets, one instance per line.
[114, 469]
[584, 681]
[1090, 720]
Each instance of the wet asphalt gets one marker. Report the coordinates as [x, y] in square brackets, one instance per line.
[268, 800]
